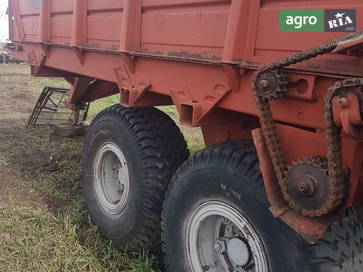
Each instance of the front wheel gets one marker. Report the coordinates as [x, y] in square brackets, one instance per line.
[129, 157]
[216, 219]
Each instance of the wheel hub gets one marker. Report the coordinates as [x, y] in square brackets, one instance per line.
[220, 239]
[111, 178]
[238, 252]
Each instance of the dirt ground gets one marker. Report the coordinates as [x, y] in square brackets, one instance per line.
[15, 107]
[16, 104]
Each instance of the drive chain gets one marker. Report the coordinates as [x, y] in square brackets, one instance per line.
[336, 171]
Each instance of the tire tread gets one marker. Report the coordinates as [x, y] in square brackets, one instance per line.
[162, 147]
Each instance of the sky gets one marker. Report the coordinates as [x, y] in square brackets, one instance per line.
[3, 20]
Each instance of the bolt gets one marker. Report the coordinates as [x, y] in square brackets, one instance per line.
[304, 188]
[120, 188]
[217, 247]
[343, 102]
[308, 186]
[264, 83]
[220, 246]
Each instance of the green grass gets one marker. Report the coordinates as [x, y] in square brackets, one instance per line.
[40, 241]
[46, 227]
[50, 231]
[101, 104]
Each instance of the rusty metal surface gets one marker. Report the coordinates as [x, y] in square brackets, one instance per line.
[52, 108]
[308, 185]
[272, 75]
[204, 72]
[347, 112]
[309, 228]
[48, 108]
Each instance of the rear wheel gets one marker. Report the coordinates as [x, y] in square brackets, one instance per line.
[4, 58]
[216, 218]
[129, 157]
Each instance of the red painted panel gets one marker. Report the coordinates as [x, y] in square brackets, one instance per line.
[60, 6]
[189, 30]
[163, 3]
[61, 28]
[61, 21]
[28, 7]
[271, 41]
[177, 29]
[98, 22]
[31, 27]
[104, 4]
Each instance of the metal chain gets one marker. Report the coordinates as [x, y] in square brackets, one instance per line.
[333, 138]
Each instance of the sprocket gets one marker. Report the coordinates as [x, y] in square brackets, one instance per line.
[309, 189]
[271, 84]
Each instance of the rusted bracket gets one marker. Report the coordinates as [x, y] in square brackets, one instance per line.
[131, 91]
[129, 62]
[192, 111]
[77, 91]
[233, 77]
[301, 86]
[79, 54]
[124, 80]
[347, 114]
[132, 96]
[311, 229]
[36, 62]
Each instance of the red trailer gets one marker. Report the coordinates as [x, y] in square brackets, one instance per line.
[278, 187]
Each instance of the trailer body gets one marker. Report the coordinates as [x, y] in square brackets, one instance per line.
[199, 55]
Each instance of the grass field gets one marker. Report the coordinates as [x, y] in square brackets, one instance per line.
[44, 225]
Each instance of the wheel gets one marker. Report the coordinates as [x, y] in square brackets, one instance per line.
[216, 219]
[129, 157]
[4, 58]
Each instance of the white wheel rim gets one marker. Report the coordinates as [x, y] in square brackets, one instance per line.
[220, 238]
[112, 184]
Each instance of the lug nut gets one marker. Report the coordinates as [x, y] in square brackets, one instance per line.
[217, 247]
[220, 247]
[264, 83]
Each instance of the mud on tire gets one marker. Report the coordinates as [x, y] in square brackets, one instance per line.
[132, 153]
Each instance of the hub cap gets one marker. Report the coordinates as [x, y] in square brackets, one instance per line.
[219, 238]
[111, 178]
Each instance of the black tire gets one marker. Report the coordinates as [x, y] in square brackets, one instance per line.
[4, 58]
[229, 172]
[153, 147]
